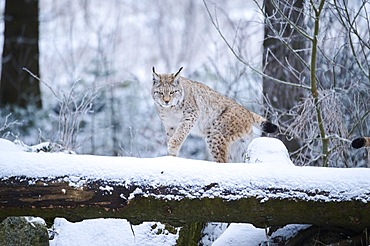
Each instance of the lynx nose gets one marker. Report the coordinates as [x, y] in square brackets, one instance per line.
[166, 99]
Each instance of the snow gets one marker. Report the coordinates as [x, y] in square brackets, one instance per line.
[265, 149]
[7, 146]
[233, 180]
[241, 234]
[212, 231]
[101, 232]
[270, 177]
[35, 220]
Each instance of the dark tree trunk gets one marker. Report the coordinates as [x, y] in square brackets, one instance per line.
[280, 62]
[21, 50]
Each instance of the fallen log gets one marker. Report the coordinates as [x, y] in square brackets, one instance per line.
[179, 191]
[55, 198]
[50, 199]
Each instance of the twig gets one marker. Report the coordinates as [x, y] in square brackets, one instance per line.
[216, 25]
[37, 78]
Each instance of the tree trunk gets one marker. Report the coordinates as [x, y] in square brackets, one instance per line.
[281, 62]
[21, 50]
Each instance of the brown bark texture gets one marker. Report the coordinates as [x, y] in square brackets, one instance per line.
[22, 196]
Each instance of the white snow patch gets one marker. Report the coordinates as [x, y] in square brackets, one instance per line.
[211, 232]
[102, 232]
[35, 220]
[106, 188]
[264, 149]
[241, 234]
[246, 234]
[8, 146]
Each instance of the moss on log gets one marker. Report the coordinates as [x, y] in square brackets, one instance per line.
[190, 234]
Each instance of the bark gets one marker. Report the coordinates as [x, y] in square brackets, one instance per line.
[23, 196]
[20, 50]
[282, 59]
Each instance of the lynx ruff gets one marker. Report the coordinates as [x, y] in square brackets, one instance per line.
[186, 106]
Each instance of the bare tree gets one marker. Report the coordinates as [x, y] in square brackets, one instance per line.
[20, 50]
[335, 76]
[284, 58]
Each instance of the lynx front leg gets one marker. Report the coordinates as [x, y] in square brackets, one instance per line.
[172, 146]
[169, 133]
[175, 141]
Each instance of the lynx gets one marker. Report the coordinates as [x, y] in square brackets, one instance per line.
[186, 106]
[361, 142]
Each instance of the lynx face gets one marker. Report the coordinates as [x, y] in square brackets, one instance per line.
[166, 90]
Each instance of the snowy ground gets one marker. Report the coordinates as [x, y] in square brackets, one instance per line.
[271, 167]
[112, 232]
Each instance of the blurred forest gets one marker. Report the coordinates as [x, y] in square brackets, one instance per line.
[303, 64]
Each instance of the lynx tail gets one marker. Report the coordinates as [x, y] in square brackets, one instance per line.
[268, 127]
[360, 142]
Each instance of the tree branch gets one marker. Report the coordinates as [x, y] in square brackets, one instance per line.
[238, 56]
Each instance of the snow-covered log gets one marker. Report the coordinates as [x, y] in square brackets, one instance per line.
[180, 191]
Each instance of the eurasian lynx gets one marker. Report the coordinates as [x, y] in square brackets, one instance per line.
[361, 142]
[186, 106]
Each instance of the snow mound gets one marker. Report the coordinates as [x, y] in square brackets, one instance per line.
[101, 232]
[8, 146]
[267, 150]
[241, 234]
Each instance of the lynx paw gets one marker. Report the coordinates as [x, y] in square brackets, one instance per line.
[172, 151]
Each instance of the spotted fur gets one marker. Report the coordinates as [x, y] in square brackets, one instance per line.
[186, 106]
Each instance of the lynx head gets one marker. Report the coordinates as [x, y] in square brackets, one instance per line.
[167, 90]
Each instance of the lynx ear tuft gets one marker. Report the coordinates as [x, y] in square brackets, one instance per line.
[358, 143]
[155, 76]
[178, 72]
[153, 69]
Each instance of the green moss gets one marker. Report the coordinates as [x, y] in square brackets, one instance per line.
[190, 234]
[18, 231]
[171, 229]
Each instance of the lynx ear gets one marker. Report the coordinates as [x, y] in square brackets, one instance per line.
[178, 73]
[155, 76]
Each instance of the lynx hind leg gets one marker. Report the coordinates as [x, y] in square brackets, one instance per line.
[217, 147]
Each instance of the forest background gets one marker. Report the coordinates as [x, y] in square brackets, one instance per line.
[78, 73]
